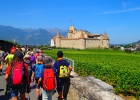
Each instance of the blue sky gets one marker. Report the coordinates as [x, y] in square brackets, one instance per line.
[119, 18]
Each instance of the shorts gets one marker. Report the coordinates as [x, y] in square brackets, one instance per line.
[47, 95]
[63, 83]
[36, 81]
[15, 92]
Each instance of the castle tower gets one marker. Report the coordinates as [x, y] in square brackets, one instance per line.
[82, 35]
[58, 39]
[69, 35]
[105, 36]
[105, 40]
[72, 30]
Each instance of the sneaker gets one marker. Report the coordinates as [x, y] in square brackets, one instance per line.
[59, 98]
[38, 98]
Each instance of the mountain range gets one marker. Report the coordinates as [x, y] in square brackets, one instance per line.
[32, 36]
[29, 35]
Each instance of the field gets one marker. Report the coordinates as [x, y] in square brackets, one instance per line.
[117, 68]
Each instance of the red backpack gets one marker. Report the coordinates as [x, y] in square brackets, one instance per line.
[17, 75]
[49, 82]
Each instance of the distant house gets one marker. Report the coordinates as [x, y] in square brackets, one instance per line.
[52, 43]
[80, 39]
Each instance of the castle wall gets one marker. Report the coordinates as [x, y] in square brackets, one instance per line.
[105, 43]
[93, 43]
[83, 43]
[73, 43]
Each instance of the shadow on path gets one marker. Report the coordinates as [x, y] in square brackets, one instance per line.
[5, 97]
[1, 90]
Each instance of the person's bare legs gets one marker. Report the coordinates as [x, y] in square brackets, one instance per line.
[38, 92]
[1, 68]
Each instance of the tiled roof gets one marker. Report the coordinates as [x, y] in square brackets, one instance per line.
[94, 34]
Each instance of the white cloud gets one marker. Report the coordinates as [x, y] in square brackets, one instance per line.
[30, 12]
[120, 11]
[29, 36]
[125, 4]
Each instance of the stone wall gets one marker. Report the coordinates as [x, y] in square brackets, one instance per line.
[93, 43]
[90, 88]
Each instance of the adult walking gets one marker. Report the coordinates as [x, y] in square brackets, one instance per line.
[9, 57]
[16, 77]
[63, 70]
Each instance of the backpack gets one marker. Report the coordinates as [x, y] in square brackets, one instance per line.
[29, 68]
[38, 70]
[63, 69]
[49, 82]
[17, 76]
[32, 58]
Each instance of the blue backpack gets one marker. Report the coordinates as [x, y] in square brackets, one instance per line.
[38, 70]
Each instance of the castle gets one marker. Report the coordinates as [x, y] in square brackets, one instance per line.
[80, 39]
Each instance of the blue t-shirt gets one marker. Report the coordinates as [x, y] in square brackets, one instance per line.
[57, 65]
[37, 69]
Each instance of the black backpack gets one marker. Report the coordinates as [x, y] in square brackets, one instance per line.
[29, 68]
[63, 69]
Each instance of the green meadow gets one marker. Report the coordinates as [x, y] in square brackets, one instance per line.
[117, 68]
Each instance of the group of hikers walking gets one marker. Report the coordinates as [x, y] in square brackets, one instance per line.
[26, 65]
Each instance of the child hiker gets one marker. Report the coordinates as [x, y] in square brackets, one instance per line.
[48, 79]
[37, 69]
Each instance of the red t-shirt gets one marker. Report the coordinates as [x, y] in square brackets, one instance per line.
[26, 71]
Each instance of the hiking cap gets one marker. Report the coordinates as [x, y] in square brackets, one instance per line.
[18, 54]
[39, 58]
[47, 60]
[31, 52]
